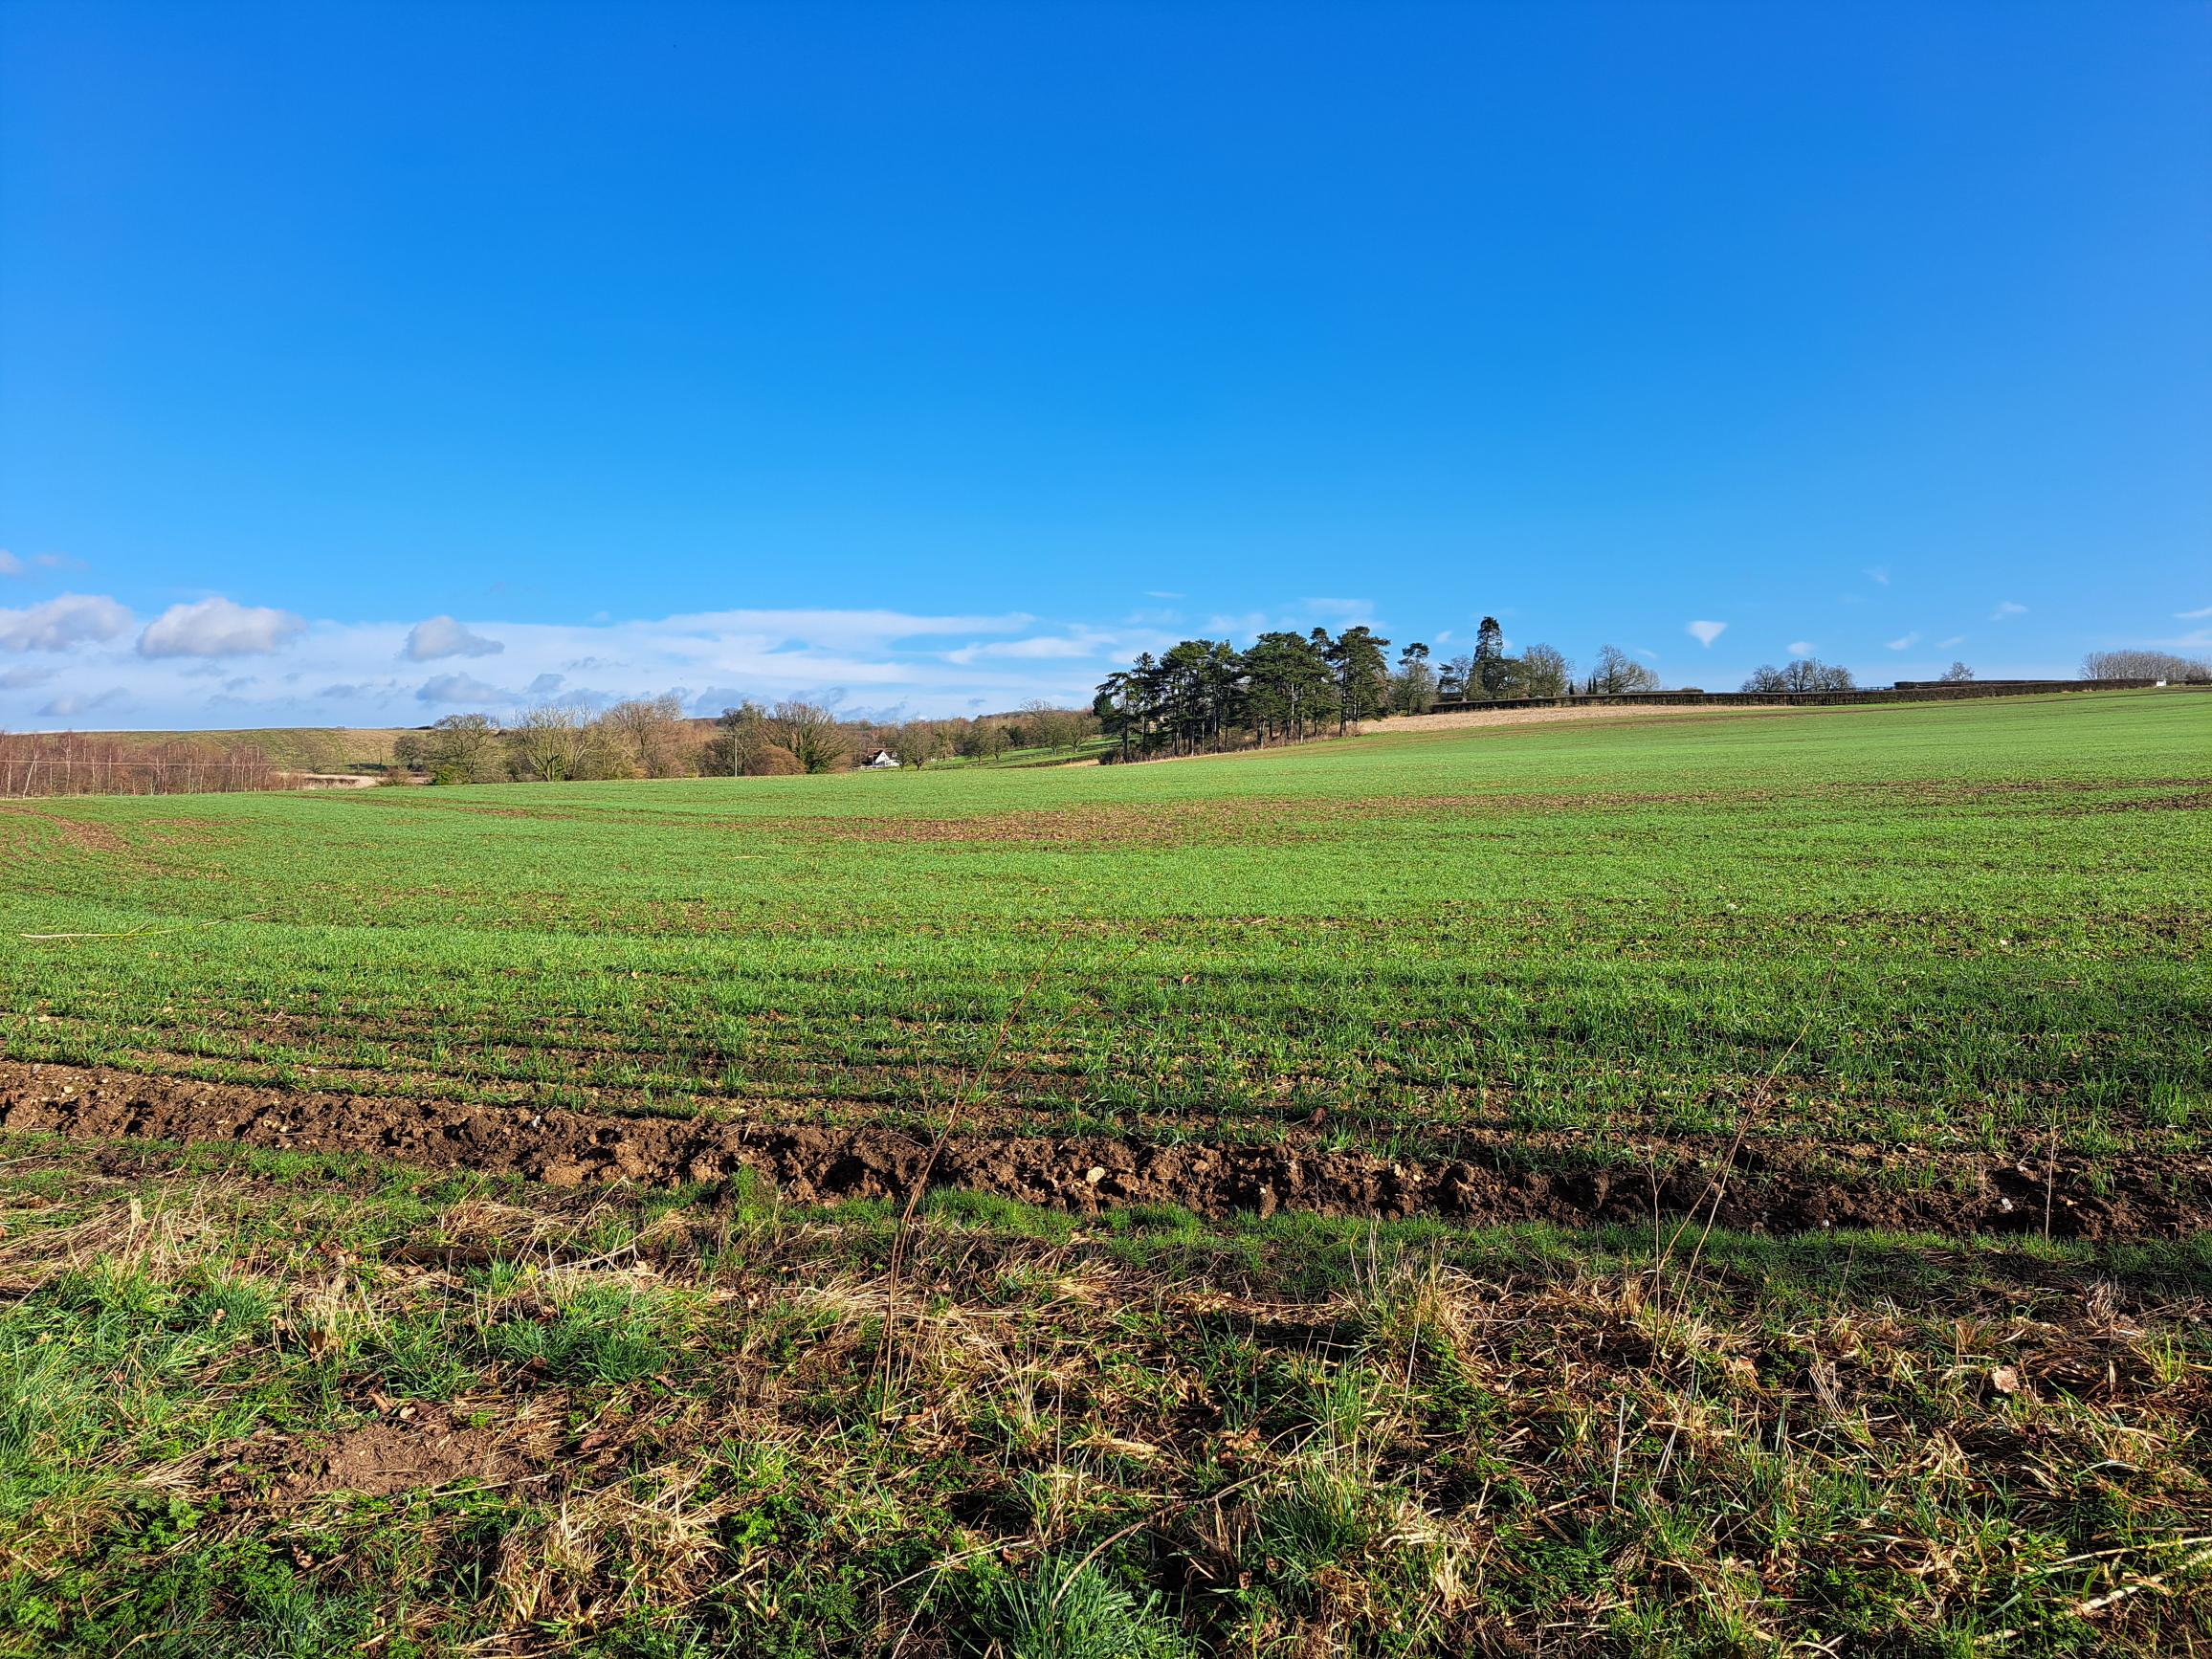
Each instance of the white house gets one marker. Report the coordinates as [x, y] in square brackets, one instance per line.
[879, 760]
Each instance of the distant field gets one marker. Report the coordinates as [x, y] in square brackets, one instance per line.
[1972, 931]
[294, 749]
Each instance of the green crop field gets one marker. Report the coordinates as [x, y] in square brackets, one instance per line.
[1525, 1008]
[1943, 924]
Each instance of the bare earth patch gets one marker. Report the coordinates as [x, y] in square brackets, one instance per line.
[1780, 1187]
[419, 1448]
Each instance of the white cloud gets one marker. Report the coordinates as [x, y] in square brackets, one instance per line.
[1947, 643]
[842, 630]
[218, 628]
[717, 697]
[1251, 623]
[2195, 615]
[545, 685]
[16, 679]
[64, 621]
[2007, 607]
[1160, 593]
[873, 659]
[1706, 632]
[11, 565]
[1904, 642]
[1345, 611]
[1879, 573]
[1026, 650]
[1801, 647]
[70, 704]
[439, 636]
[453, 689]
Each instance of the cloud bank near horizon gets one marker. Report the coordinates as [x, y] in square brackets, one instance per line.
[215, 662]
[79, 658]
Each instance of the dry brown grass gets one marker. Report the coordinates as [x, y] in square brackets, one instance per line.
[1332, 1442]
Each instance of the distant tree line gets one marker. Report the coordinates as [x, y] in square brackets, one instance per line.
[752, 739]
[1808, 673]
[41, 764]
[552, 742]
[1207, 695]
[1804, 674]
[1038, 726]
[2143, 664]
[653, 738]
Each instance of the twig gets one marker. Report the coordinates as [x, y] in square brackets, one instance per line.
[1619, 1438]
[2049, 1176]
[1667, 1457]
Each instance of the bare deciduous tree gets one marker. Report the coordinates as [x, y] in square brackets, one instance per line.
[1804, 674]
[1540, 672]
[985, 739]
[921, 741]
[745, 744]
[1618, 673]
[811, 735]
[645, 737]
[1049, 726]
[465, 749]
[2140, 663]
[548, 742]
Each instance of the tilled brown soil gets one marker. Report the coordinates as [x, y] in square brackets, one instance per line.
[425, 1448]
[1772, 1189]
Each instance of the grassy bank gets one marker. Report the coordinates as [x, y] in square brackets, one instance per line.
[263, 1403]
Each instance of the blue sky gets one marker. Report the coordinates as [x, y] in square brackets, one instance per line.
[359, 364]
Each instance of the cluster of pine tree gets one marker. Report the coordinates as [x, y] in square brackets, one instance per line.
[1207, 695]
